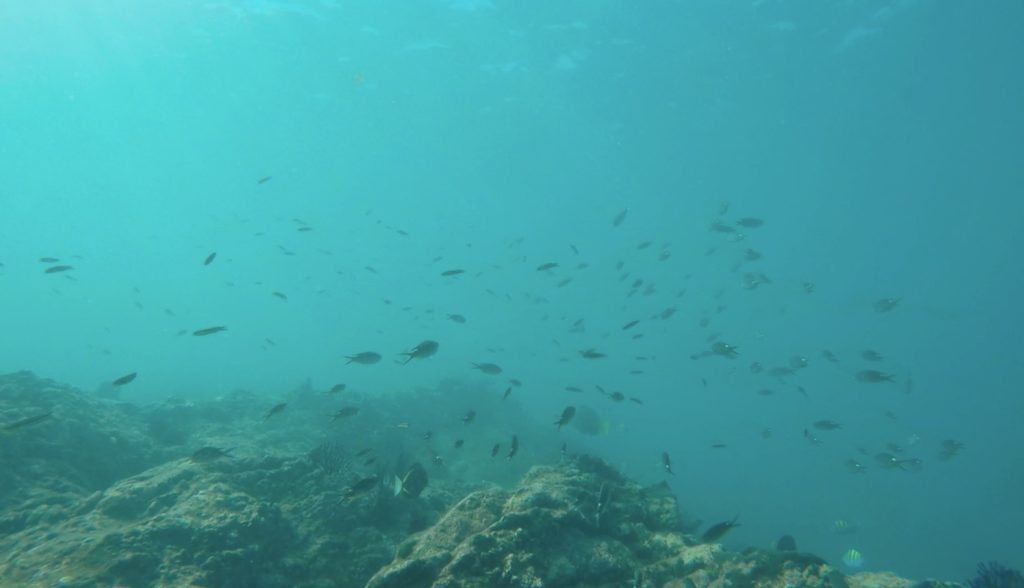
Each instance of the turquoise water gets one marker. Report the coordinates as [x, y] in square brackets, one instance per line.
[879, 141]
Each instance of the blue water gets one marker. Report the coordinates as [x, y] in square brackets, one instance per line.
[880, 141]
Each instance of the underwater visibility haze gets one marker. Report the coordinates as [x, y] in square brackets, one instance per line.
[766, 252]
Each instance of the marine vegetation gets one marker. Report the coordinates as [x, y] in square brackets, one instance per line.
[995, 575]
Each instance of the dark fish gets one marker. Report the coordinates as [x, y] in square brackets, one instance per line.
[363, 452]
[209, 258]
[514, 449]
[457, 318]
[277, 409]
[508, 392]
[855, 466]
[573, 389]
[495, 449]
[592, 354]
[826, 425]
[208, 331]
[264, 179]
[363, 358]
[125, 379]
[28, 422]
[886, 304]
[871, 355]
[361, 487]
[412, 483]
[304, 229]
[57, 269]
[829, 356]
[336, 388]
[635, 400]
[345, 412]
[574, 250]
[280, 295]
[370, 461]
[719, 530]
[630, 325]
[567, 414]
[459, 443]
[423, 350]
[515, 383]
[666, 462]
[786, 543]
[620, 217]
[811, 438]
[874, 377]
[724, 349]
[49, 260]
[490, 369]
[718, 446]
[208, 454]
[546, 266]
[720, 227]
[452, 272]
[468, 417]
[750, 222]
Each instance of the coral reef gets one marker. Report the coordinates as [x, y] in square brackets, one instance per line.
[104, 493]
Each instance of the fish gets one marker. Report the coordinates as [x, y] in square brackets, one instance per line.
[843, 527]
[811, 438]
[567, 414]
[361, 488]
[49, 260]
[720, 227]
[724, 349]
[208, 454]
[785, 543]
[515, 383]
[412, 483]
[468, 417]
[29, 421]
[423, 350]
[750, 222]
[855, 466]
[573, 389]
[513, 449]
[495, 449]
[853, 559]
[58, 269]
[874, 377]
[666, 462]
[337, 388]
[620, 217]
[457, 318]
[827, 425]
[280, 295]
[718, 446]
[363, 358]
[546, 266]
[491, 369]
[592, 354]
[264, 179]
[508, 392]
[452, 272]
[127, 379]
[886, 304]
[459, 443]
[719, 530]
[363, 452]
[345, 412]
[829, 356]
[871, 355]
[208, 331]
[630, 325]
[209, 258]
[275, 410]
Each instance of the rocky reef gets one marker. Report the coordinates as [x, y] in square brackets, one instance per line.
[104, 493]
